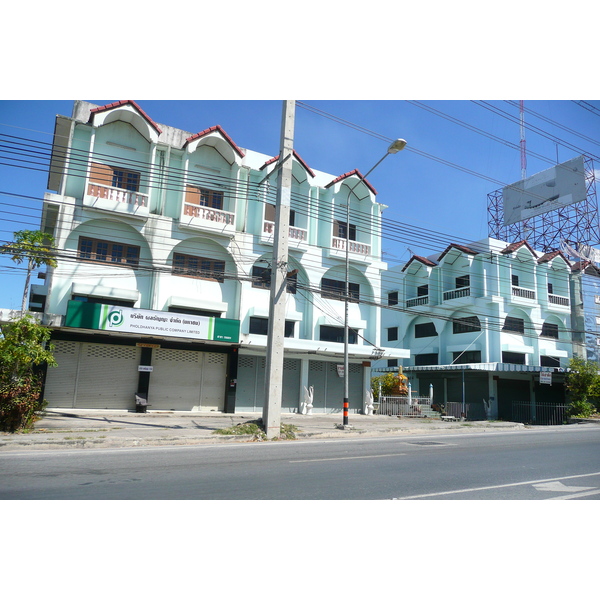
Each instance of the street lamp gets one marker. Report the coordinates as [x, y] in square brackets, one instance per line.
[393, 148]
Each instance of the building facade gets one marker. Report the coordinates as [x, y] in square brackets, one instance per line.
[488, 325]
[165, 240]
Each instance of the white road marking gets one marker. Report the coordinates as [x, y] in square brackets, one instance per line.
[493, 487]
[595, 492]
[557, 486]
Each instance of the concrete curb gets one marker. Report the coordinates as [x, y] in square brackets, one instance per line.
[92, 440]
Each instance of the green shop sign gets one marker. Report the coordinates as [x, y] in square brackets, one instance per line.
[87, 315]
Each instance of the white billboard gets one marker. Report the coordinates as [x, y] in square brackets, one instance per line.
[549, 190]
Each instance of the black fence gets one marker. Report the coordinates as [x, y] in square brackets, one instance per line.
[542, 413]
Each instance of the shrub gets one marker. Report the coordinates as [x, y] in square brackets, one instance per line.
[20, 403]
[23, 351]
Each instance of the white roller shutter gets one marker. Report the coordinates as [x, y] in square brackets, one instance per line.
[108, 376]
[187, 380]
[61, 380]
[175, 379]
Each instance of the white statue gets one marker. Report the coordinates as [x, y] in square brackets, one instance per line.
[307, 405]
[487, 405]
[369, 407]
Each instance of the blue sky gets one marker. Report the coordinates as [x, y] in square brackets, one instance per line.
[436, 189]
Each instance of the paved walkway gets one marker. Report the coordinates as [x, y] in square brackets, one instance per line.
[78, 428]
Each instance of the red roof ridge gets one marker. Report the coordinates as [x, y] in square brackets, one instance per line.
[298, 158]
[212, 129]
[516, 245]
[421, 259]
[349, 174]
[123, 103]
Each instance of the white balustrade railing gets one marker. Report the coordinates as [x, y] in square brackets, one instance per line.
[520, 292]
[561, 300]
[294, 233]
[458, 293]
[107, 192]
[353, 247]
[206, 213]
[419, 301]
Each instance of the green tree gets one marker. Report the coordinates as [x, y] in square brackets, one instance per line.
[24, 348]
[583, 386]
[35, 247]
[388, 383]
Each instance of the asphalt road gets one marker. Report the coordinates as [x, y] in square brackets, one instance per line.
[538, 464]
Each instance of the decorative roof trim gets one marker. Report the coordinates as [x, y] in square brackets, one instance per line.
[421, 259]
[349, 174]
[296, 156]
[457, 247]
[516, 245]
[135, 105]
[218, 129]
[549, 256]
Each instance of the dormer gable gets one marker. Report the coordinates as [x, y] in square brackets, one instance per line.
[514, 247]
[421, 260]
[216, 138]
[458, 250]
[296, 156]
[355, 173]
[127, 111]
[550, 256]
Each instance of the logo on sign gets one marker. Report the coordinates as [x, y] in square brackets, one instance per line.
[115, 318]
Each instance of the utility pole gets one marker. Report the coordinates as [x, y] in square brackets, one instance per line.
[279, 269]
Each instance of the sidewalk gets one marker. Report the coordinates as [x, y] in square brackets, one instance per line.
[79, 428]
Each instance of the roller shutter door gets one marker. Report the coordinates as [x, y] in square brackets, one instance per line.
[329, 386]
[61, 380]
[251, 384]
[187, 380]
[108, 376]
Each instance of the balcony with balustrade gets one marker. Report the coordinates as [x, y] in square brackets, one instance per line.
[207, 218]
[116, 200]
[458, 296]
[357, 251]
[297, 237]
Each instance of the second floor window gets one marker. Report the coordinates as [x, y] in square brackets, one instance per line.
[392, 334]
[205, 197]
[261, 278]
[423, 330]
[117, 177]
[513, 324]
[336, 290]
[186, 265]
[340, 230]
[329, 333]
[270, 214]
[108, 252]
[392, 298]
[260, 326]
[466, 325]
[126, 179]
[463, 281]
[550, 330]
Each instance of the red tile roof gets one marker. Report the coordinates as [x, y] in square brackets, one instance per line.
[298, 158]
[220, 130]
[458, 247]
[516, 245]
[551, 255]
[349, 174]
[421, 259]
[123, 103]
